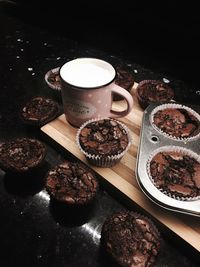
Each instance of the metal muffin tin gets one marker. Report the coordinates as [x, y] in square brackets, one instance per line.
[150, 140]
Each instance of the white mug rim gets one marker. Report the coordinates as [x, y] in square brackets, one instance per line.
[88, 87]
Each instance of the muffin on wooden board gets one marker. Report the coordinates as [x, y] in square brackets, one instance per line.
[103, 141]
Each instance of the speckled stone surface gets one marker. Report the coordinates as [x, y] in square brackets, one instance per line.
[35, 231]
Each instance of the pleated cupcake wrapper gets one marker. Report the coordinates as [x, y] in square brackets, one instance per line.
[98, 160]
[46, 77]
[174, 106]
[182, 151]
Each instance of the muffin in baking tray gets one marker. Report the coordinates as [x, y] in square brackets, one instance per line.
[103, 141]
[21, 155]
[176, 121]
[39, 110]
[153, 91]
[125, 79]
[175, 171]
[130, 239]
[72, 183]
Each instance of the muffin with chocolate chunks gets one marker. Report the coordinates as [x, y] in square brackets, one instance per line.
[176, 121]
[125, 79]
[153, 91]
[103, 141]
[176, 172]
[130, 239]
[39, 110]
[72, 183]
[21, 155]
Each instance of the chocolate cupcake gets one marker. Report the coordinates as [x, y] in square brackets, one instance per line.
[130, 239]
[176, 121]
[124, 78]
[39, 110]
[72, 184]
[153, 91]
[175, 171]
[52, 78]
[21, 155]
[103, 141]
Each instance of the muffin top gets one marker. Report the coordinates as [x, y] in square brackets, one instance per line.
[176, 173]
[177, 122]
[104, 137]
[39, 110]
[21, 154]
[72, 183]
[152, 91]
[124, 78]
[130, 239]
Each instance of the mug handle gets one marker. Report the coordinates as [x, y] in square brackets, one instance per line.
[127, 96]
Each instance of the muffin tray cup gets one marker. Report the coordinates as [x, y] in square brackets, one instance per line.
[150, 140]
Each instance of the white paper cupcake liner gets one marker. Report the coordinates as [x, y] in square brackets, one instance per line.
[174, 106]
[103, 161]
[182, 151]
[50, 84]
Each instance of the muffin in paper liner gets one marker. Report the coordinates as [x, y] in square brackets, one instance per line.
[175, 171]
[153, 91]
[176, 121]
[130, 239]
[52, 78]
[104, 159]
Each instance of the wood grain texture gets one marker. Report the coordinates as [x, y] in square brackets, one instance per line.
[122, 175]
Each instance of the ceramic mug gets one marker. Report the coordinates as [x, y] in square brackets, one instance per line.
[87, 88]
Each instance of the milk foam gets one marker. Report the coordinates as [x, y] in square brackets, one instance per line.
[87, 72]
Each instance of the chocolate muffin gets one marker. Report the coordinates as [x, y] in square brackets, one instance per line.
[39, 110]
[176, 121]
[176, 173]
[72, 183]
[103, 141]
[130, 239]
[52, 78]
[21, 155]
[153, 91]
[124, 78]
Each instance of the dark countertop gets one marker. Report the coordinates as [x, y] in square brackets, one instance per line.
[33, 231]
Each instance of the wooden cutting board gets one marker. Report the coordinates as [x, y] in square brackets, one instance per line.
[122, 175]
